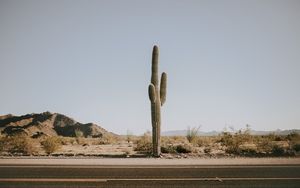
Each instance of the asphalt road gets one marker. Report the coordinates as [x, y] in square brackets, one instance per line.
[182, 176]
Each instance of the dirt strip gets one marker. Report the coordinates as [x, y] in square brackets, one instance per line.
[149, 161]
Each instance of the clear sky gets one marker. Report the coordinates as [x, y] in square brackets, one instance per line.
[229, 63]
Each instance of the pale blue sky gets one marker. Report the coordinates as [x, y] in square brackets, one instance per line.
[228, 62]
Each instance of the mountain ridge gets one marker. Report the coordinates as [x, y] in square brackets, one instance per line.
[47, 123]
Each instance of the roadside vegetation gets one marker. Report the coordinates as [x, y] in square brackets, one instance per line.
[227, 144]
[51, 144]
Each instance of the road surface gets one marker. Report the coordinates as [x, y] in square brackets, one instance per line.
[183, 176]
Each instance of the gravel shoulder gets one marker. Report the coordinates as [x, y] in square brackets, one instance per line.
[149, 161]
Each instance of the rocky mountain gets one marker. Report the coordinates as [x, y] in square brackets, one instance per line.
[51, 124]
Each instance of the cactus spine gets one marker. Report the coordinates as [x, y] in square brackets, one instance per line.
[157, 95]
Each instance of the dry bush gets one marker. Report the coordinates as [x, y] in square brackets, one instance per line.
[51, 144]
[233, 141]
[174, 140]
[296, 147]
[175, 144]
[144, 144]
[2, 143]
[18, 144]
[294, 141]
[184, 148]
[179, 139]
[274, 137]
[278, 150]
[181, 148]
[79, 136]
[192, 134]
[67, 140]
[78, 133]
[108, 139]
[202, 141]
[168, 149]
[264, 145]
[293, 136]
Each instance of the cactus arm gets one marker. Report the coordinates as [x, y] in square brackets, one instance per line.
[151, 91]
[163, 88]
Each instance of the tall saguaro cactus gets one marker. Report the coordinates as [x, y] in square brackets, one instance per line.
[157, 94]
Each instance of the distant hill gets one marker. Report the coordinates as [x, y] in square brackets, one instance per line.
[215, 133]
[50, 124]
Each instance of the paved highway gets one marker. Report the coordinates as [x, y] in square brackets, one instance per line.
[182, 176]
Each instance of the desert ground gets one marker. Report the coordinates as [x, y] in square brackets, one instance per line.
[239, 144]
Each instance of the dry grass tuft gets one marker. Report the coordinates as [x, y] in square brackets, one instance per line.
[51, 144]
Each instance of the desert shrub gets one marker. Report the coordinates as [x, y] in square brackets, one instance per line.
[108, 139]
[78, 133]
[204, 141]
[183, 148]
[67, 140]
[274, 137]
[233, 141]
[173, 140]
[268, 147]
[51, 144]
[2, 143]
[294, 141]
[168, 149]
[200, 142]
[264, 145]
[144, 144]
[293, 136]
[248, 149]
[179, 139]
[79, 136]
[18, 144]
[296, 147]
[277, 150]
[192, 134]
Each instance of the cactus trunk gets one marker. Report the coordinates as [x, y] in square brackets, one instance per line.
[157, 95]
